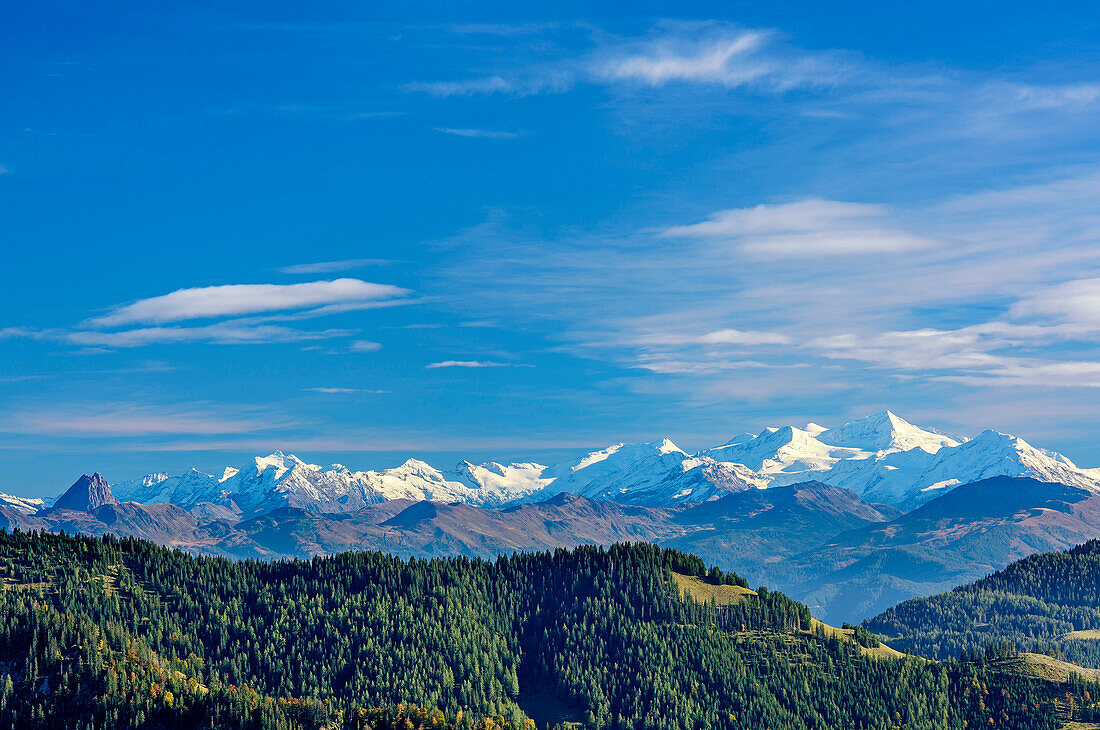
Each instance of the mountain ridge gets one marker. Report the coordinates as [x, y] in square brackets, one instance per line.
[825, 545]
[882, 457]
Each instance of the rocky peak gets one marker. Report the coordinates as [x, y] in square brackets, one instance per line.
[86, 494]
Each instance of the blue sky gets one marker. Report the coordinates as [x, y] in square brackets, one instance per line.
[360, 233]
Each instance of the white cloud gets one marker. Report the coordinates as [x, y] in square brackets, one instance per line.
[466, 87]
[1074, 302]
[237, 299]
[541, 80]
[802, 216]
[676, 52]
[329, 267]
[466, 364]
[225, 333]
[805, 228]
[364, 346]
[740, 337]
[832, 243]
[482, 133]
[995, 289]
[717, 337]
[234, 332]
[1031, 97]
[730, 61]
[138, 420]
[719, 54]
[978, 355]
[1046, 196]
[334, 391]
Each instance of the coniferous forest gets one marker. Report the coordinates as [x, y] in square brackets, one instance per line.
[120, 633]
[1049, 602]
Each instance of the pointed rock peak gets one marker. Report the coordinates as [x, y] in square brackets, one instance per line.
[86, 494]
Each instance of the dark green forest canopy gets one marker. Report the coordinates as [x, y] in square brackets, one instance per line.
[1048, 602]
[114, 633]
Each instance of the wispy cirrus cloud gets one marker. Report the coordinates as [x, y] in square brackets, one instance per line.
[122, 420]
[545, 80]
[724, 55]
[467, 364]
[478, 133]
[331, 267]
[224, 333]
[717, 337]
[924, 102]
[804, 228]
[710, 53]
[340, 391]
[985, 290]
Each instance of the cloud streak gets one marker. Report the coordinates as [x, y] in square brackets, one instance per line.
[987, 290]
[331, 267]
[804, 228]
[114, 420]
[339, 391]
[477, 133]
[722, 55]
[466, 364]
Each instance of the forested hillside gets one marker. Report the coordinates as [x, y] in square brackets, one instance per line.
[110, 633]
[1049, 602]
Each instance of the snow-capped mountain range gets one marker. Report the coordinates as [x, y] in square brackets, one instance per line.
[882, 458]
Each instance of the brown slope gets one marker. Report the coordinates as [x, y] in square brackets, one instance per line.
[13, 519]
[165, 524]
[429, 528]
